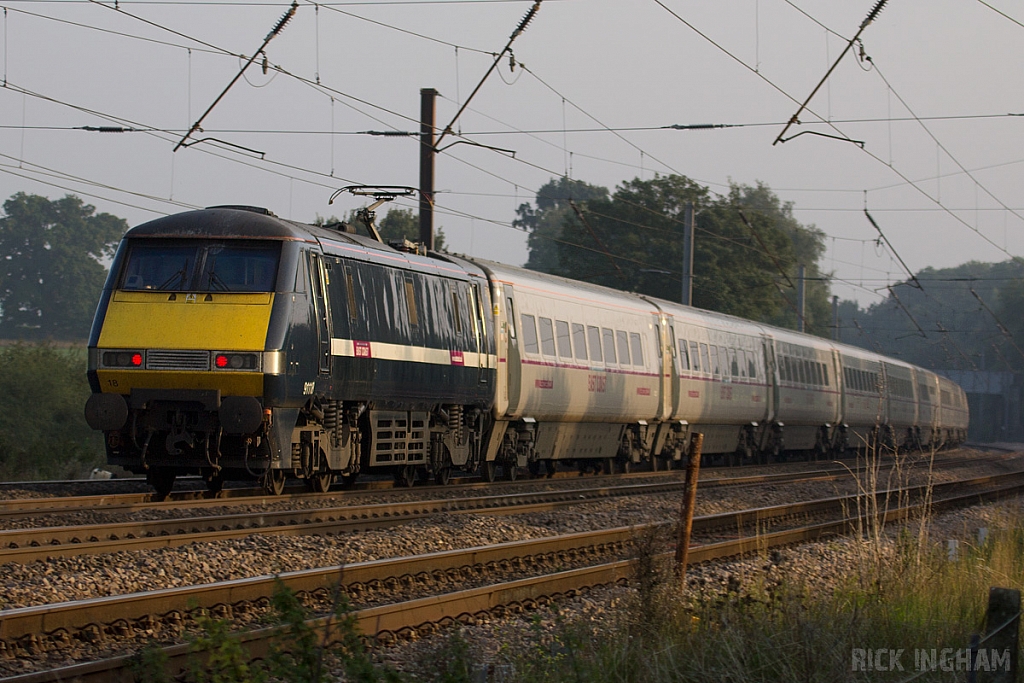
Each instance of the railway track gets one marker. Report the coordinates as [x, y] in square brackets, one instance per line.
[39, 507]
[560, 564]
[31, 544]
[15, 508]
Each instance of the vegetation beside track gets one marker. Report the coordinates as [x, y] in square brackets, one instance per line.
[43, 434]
[777, 626]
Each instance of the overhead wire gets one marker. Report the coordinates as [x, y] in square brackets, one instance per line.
[833, 126]
[547, 85]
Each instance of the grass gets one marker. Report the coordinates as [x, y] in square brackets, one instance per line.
[43, 434]
[775, 626]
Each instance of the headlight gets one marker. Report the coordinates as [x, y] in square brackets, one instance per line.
[236, 361]
[122, 359]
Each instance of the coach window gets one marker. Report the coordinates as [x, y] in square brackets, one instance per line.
[741, 358]
[350, 287]
[716, 369]
[455, 308]
[751, 365]
[594, 340]
[623, 341]
[579, 341]
[705, 359]
[684, 355]
[784, 369]
[562, 334]
[695, 356]
[638, 349]
[824, 375]
[608, 342]
[547, 337]
[734, 365]
[530, 334]
[410, 302]
[511, 317]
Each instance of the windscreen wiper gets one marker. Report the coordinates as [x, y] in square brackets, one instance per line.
[179, 276]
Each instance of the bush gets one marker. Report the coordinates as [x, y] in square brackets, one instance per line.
[43, 434]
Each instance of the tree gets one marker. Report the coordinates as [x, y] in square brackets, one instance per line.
[943, 325]
[405, 223]
[545, 221]
[52, 272]
[632, 240]
[397, 224]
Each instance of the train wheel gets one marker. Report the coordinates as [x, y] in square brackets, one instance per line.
[162, 481]
[511, 471]
[273, 482]
[405, 476]
[534, 467]
[443, 476]
[549, 466]
[626, 466]
[320, 482]
[489, 470]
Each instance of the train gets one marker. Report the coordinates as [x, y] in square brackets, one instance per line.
[236, 345]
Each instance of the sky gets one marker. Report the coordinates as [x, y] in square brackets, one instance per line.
[929, 107]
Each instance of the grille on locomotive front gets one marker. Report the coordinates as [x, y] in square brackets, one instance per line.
[167, 359]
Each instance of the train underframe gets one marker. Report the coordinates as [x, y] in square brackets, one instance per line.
[166, 435]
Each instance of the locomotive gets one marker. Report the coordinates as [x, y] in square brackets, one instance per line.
[234, 344]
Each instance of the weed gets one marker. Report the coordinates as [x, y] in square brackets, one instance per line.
[225, 660]
[149, 665]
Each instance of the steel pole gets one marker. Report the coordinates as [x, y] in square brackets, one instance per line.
[427, 152]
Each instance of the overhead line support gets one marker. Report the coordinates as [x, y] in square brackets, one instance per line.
[274, 32]
[796, 117]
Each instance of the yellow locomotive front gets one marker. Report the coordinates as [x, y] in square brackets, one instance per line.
[178, 354]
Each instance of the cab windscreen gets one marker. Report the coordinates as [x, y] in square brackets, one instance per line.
[201, 266]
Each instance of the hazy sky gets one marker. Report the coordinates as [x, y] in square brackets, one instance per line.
[590, 64]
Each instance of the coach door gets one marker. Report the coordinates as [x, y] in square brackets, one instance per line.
[479, 331]
[323, 317]
[772, 377]
[514, 360]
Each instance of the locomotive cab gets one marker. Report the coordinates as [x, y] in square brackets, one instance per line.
[235, 345]
[182, 345]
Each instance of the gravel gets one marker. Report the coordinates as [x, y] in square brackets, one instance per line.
[76, 578]
[821, 567]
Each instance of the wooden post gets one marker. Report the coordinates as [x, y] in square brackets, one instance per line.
[1002, 626]
[689, 503]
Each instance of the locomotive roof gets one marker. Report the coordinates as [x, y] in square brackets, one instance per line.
[249, 223]
[246, 222]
